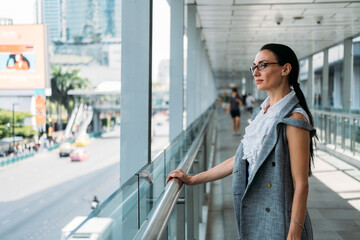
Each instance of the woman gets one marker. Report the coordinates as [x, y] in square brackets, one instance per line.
[233, 108]
[21, 63]
[273, 161]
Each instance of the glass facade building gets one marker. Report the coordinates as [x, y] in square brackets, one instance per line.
[51, 15]
[82, 21]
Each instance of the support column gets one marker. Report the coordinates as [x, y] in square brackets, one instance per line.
[325, 80]
[197, 97]
[348, 72]
[191, 66]
[135, 147]
[337, 94]
[249, 82]
[356, 79]
[96, 122]
[310, 83]
[176, 68]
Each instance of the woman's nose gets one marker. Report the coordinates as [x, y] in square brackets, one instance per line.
[256, 72]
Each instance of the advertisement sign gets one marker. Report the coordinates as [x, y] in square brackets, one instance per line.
[22, 56]
[40, 108]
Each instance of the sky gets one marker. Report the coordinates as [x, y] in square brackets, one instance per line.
[23, 12]
[161, 33]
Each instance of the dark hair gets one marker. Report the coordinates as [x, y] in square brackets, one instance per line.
[285, 54]
[234, 90]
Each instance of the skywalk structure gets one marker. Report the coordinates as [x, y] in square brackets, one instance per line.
[222, 38]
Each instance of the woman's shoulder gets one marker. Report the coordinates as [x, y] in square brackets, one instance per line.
[299, 113]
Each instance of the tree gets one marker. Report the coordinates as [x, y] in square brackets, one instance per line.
[61, 83]
[6, 121]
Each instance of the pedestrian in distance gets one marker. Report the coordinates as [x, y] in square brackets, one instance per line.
[219, 101]
[233, 108]
[250, 100]
[225, 100]
[273, 161]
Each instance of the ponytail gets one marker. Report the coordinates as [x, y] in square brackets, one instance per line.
[284, 55]
[302, 101]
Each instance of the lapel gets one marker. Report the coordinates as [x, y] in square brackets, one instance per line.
[272, 138]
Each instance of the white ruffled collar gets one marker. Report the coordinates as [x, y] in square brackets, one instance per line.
[259, 128]
[278, 105]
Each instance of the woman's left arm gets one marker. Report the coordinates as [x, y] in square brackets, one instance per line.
[299, 148]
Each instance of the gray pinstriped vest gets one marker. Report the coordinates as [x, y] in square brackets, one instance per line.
[263, 205]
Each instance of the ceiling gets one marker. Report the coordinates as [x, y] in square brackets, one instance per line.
[235, 30]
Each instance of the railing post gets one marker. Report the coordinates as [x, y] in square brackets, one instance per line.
[189, 206]
[202, 187]
[327, 123]
[343, 133]
[335, 131]
[180, 217]
[353, 132]
[356, 134]
[321, 128]
[197, 205]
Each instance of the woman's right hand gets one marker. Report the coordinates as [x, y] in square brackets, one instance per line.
[180, 174]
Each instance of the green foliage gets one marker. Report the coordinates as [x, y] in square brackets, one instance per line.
[25, 131]
[6, 116]
[62, 82]
[6, 121]
[58, 43]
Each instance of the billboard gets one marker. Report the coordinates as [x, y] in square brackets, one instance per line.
[40, 107]
[22, 56]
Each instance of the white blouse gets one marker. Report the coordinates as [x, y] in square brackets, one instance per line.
[260, 127]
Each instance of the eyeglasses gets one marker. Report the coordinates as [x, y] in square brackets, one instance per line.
[260, 66]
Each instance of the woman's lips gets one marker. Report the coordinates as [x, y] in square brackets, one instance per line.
[258, 81]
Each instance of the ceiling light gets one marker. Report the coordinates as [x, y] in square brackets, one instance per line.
[299, 17]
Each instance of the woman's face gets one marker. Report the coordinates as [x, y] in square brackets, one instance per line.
[271, 76]
[17, 57]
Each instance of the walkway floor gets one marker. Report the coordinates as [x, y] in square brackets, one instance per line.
[334, 197]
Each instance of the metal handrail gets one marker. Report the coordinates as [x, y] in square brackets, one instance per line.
[337, 114]
[155, 223]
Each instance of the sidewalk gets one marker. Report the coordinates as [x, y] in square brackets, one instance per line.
[334, 196]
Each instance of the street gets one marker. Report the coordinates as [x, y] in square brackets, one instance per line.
[40, 195]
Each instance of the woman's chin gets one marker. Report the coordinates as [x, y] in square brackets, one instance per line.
[260, 88]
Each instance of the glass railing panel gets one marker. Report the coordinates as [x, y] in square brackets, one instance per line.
[172, 230]
[347, 130]
[174, 153]
[331, 130]
[151, 185]
[357, 137]
[116, 218]
[337, 131]
[123, 209]
[345, 133]
[127, 208]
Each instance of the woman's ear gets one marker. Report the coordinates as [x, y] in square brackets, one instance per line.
[286, 69]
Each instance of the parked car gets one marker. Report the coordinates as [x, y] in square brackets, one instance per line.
[82, 140]
[79, 155]
[65, 149]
